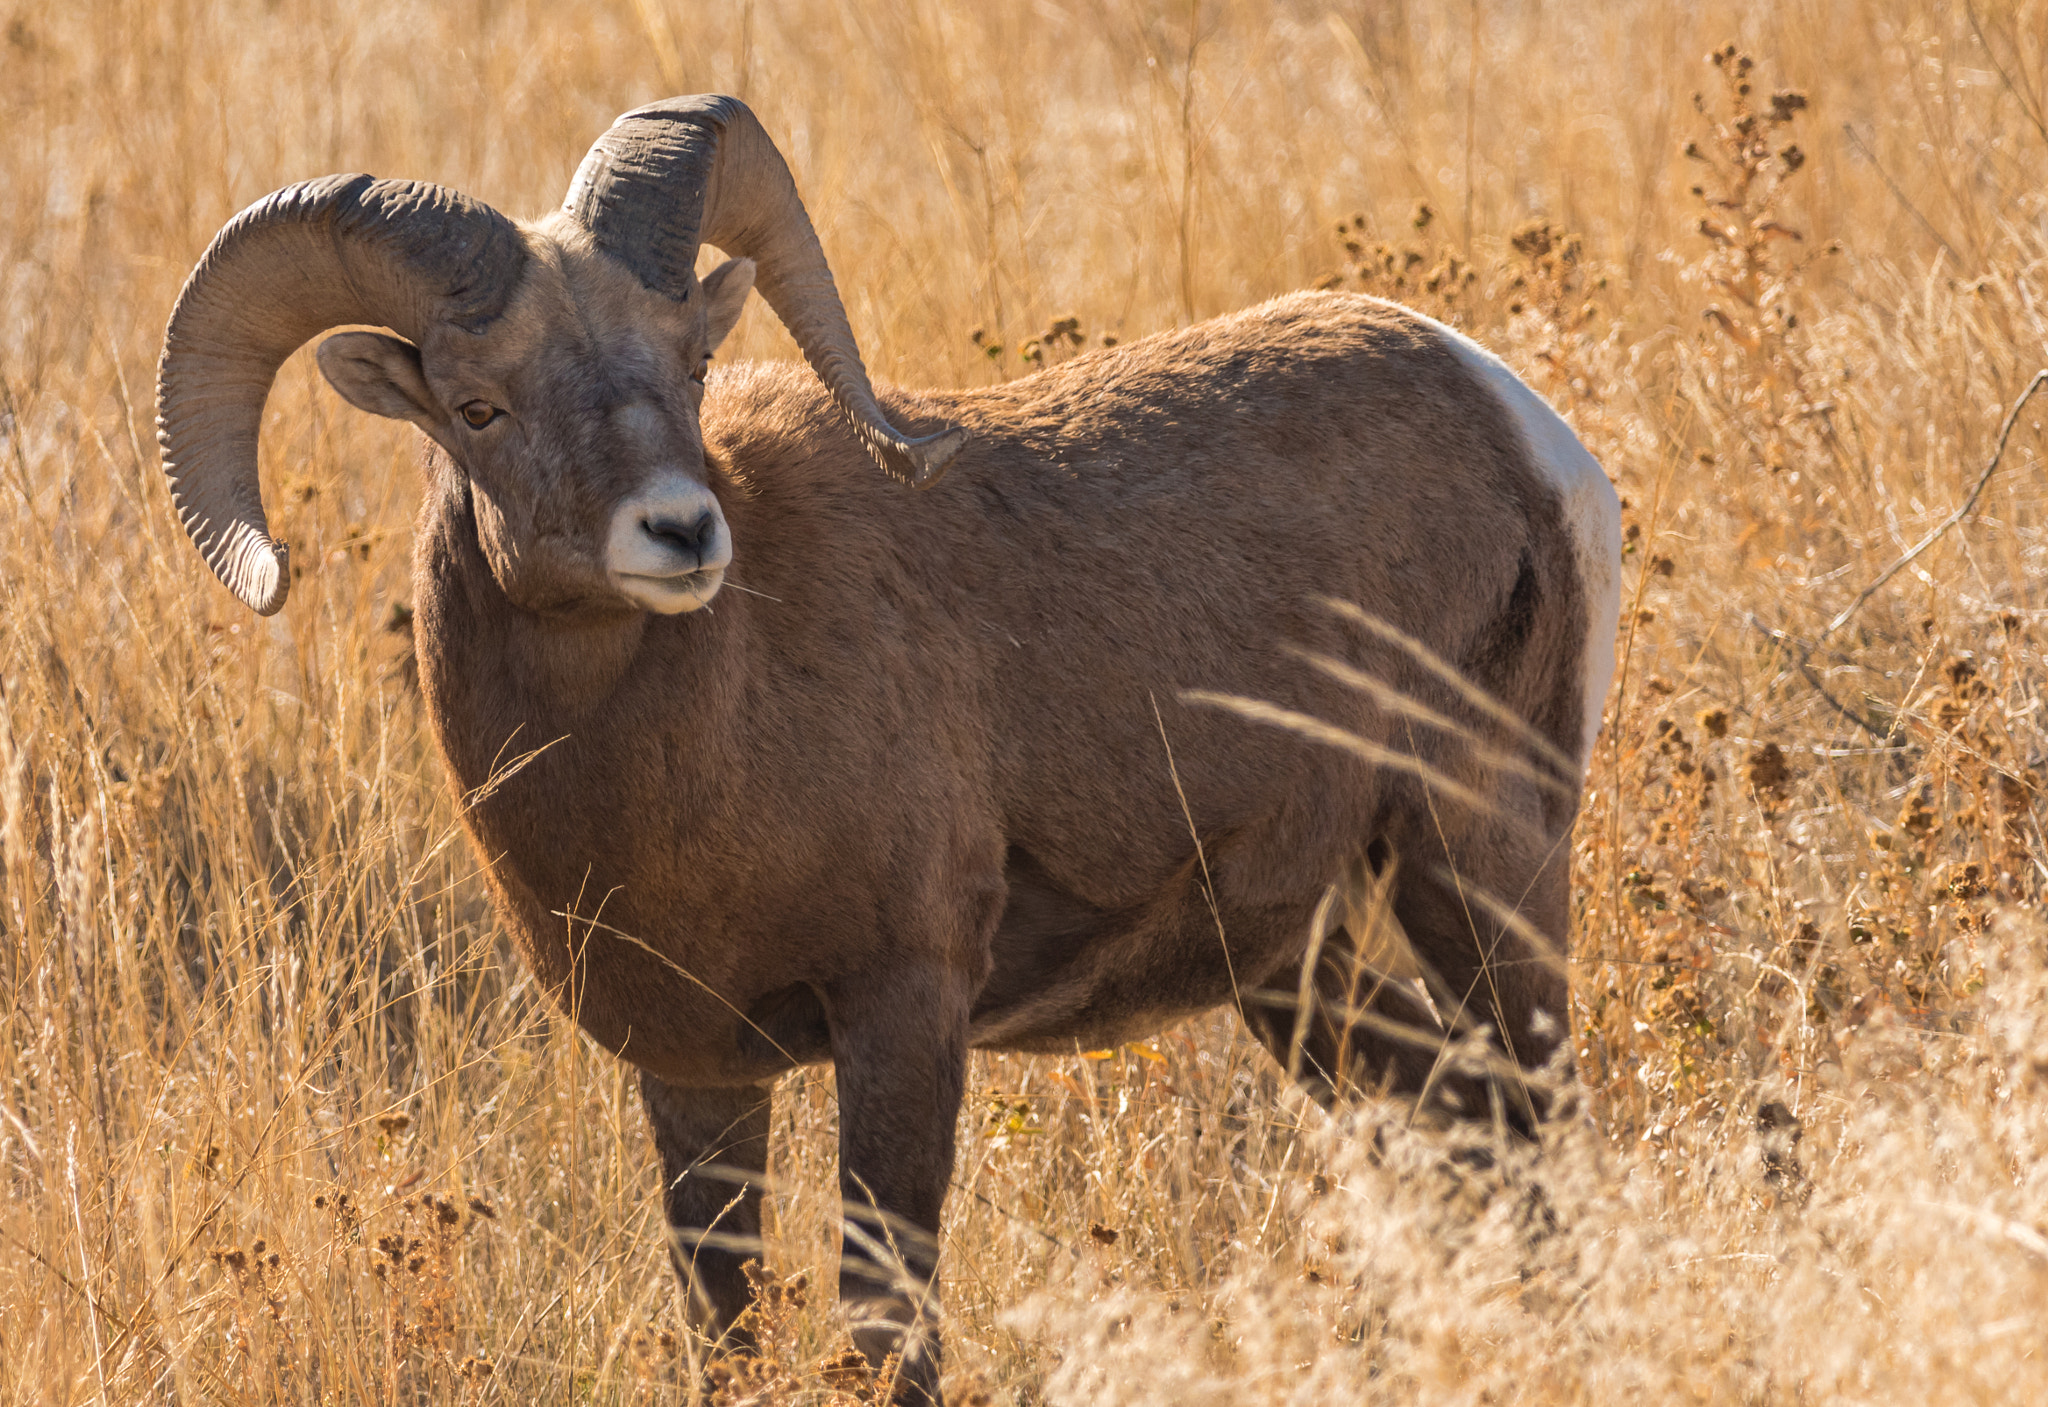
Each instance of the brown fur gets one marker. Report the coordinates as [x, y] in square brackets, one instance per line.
[915, 794]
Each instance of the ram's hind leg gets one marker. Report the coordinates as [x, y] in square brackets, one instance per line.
[714, 1149]
[1365, 1025]
[1487, 920]
[1485, 924]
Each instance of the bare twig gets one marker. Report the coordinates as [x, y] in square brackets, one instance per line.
[1803, 663]
[1869, 154]
[1883, 735]
[1969, 504]
[2026, 100]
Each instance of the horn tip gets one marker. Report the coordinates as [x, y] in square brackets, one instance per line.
[259, 574]
[930, 457]
[269, 605]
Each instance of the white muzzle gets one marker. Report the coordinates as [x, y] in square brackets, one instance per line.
[669, 547]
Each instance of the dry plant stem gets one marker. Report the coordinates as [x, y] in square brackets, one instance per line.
[1962, 511]
[1804, 663]
[1201, 855]
[1882, 734]
[1471, 113]
[1863, 148]
[1186, 230]
[2029, 103]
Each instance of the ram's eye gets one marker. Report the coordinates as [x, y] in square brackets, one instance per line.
[703, 370]
[478, 414]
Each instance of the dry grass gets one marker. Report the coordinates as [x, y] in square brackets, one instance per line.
[281, 1121]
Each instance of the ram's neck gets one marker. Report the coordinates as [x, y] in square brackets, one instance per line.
[504, 683]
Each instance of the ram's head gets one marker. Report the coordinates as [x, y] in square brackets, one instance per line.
[559, 364]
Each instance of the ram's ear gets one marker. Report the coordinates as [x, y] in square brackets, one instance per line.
[381, 375]
[725, 295]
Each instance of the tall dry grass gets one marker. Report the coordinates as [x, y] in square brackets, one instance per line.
[280, 1120]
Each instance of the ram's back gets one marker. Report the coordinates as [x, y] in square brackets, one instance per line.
[1173, 515]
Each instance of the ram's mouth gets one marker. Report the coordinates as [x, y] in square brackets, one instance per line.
[672, 595]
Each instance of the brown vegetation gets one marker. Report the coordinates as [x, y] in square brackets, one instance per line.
[280, 1121]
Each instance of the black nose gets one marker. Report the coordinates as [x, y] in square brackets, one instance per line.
[693, 538]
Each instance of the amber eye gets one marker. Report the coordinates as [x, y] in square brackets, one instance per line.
[478, 414]
[703, 370]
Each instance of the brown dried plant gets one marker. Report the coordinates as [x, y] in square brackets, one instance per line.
[1420, 270]
[1755, 269]
[1061, 339]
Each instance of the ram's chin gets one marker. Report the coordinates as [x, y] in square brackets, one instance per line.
[672, 595]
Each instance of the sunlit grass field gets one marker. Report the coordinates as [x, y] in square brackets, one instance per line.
[282, 1119]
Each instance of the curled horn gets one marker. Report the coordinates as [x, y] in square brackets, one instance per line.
[673, 175]
[342, 249]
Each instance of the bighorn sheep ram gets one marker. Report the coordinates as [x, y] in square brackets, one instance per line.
[932, 780]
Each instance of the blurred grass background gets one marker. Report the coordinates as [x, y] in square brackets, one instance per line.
[281, 1120]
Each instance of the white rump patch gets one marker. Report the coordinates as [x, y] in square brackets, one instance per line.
[1591, 508]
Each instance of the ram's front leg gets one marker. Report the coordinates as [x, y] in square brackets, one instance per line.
[899, 1050]
[714, 1147]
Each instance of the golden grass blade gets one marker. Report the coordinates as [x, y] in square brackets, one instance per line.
[1392, 700]
[1362, 748]
[1486, 703]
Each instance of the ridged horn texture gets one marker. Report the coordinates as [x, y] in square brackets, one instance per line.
[677, 174]
[341, 249]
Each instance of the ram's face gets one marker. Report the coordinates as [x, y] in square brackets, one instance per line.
[575, 419]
